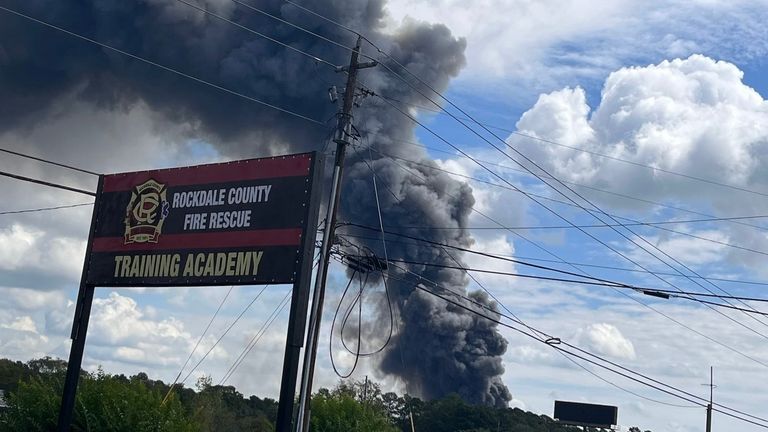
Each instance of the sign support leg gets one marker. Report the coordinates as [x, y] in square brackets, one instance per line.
[293, 345]
[79, 327]
[85, 300]
[297, 321]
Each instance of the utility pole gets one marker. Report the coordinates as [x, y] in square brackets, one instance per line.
[343, 132]
[711, 394]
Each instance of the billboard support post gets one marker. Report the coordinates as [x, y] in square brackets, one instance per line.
[79, 328]
[297, 320]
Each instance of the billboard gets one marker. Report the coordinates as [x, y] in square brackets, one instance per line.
[240, 222]
[577, 413]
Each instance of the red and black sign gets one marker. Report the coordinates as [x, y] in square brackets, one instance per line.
[242, 222]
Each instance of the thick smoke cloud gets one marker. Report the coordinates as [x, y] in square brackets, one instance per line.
[441, 349]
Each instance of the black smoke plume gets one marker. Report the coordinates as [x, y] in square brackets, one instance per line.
[440, 349]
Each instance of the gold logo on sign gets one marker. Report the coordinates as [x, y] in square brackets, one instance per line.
[146, 213]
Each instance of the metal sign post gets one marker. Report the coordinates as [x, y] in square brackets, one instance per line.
[79, 329]
[249, 222]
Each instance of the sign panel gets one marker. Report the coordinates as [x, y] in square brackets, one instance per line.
[577, 413]
[241, 222]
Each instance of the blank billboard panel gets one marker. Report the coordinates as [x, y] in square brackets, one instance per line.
[586, 414]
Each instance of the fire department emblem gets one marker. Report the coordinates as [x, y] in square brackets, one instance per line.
[146, 213]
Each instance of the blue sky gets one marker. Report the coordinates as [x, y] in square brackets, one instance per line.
[539, 67]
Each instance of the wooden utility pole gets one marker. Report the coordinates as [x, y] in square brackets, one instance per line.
[711, 394]
[343, 133]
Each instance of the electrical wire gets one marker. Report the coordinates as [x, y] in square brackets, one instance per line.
[594, 153]
[554, 227]
[256, 338]
[350, 49]
[686, 295]
[356, 33]
[358, 299]
[259, 334]
[580, 264]
[384, 273]
[35, 210]
[543, 336]
[46, 183]
[58, 164]
[297, 27]
[200, 339]
[554, 341]
[587, 233]
[257, 33]
[333, 325]
[592, 280]
[224, 333]
[166, 68]
[646, 305]
[629, 197]
[542, 180]
[531, 172]
[556, 189]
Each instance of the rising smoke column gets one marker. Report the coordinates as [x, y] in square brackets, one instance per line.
[445, 349]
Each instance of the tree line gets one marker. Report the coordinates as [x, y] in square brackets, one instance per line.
[108, 402]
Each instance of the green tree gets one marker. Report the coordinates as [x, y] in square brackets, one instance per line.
[352, 407]
[104, 403]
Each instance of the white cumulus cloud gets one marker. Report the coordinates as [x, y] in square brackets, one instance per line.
[606, 339]
[693, 116]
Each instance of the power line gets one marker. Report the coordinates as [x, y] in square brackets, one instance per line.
[543, 337]
[297, 27]
[554, 227]
[646, 305]
[554, 342]
[531, 172]
[580, 264]
[670, 318]
[359, 329]
[166, 68]
[499, 302]
[593, 281]
[473, 209]
[48, 161]
[271, 39]
[35, 210]
[602, 155]
[332, 21]
[581, 185]
[647, 291]
[579, 149]
[587, 233]
[224, 333]
[45, 183]
[326, 18]
[200, 339]
[633, 222]
[540, 168]
[256, 338]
